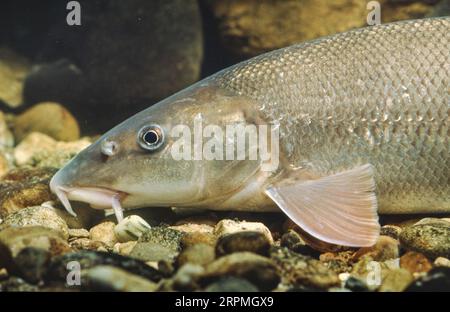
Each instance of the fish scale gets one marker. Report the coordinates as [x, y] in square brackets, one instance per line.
[378, 95]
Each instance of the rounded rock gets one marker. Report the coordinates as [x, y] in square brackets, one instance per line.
[431, 239]
[48, 118]
[38, 216]
[258, 270]
[200, 254]
[104, 232]
[255, 242]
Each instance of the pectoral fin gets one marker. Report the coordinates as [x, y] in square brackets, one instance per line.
[339, 209]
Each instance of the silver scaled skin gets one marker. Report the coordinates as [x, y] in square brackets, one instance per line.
[378, 95]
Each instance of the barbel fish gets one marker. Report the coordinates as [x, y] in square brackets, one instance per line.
[362, 121]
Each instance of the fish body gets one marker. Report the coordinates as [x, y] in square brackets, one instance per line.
[362, 124]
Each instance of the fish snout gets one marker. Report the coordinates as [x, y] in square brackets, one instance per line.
[96, 197]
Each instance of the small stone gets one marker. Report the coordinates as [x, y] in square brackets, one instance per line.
[338, 262]
[442, 221]
[149, 251]
[22, 188]
[293, 241]
[13, 240]
[40, 150]
[437, 280]
[193, 228]
[231, 284]
[186, 278]
[431, 239]
[17, 284]
[48, 118]
[415, 262]
[124, 249]
[255, 242]
[200, 254]
[384, 249]
[303, 271]
[87, 259]
[31, 264]
[78, 233]
[163, 236]
[190, 239]
[355, 284]
[391, 231]
[442, 262]
[396, 280]
[38, 216]
[226, 226]
[104, 232]
[258, 270]
[109, 278]
[131, 228]
[87, 244]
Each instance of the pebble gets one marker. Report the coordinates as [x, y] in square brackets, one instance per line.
[131, 228]
[437, 280]
[150, 251]
[190, 239]
[255, 242]
[293, 241]
[257, 269]
[303, 271]
[186, 278]
[17, 284]
[430, 238]
[48, 118]
[124, 248]
[384, 249]
[104, 232]
[396, 280]
[226, 226]
[110, 278]
[21, 188]
[355, 284]
[391, 231]
[163, 236]
[193, 228]
[231, 284]
[38, 216]
[442, 262]
[40, 150]
[87, 259]
[31, 264]
[200, 254]
[338, 262]
[13, 240]
[83, 243]
[78, 233]
[415, 262]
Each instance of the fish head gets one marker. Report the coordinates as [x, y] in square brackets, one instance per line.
[157, 157]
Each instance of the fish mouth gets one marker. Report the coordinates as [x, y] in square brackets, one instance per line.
[96, 197]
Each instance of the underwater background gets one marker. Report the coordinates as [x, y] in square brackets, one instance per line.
[65, 79]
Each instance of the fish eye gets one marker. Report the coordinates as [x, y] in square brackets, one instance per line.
[151, 137]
